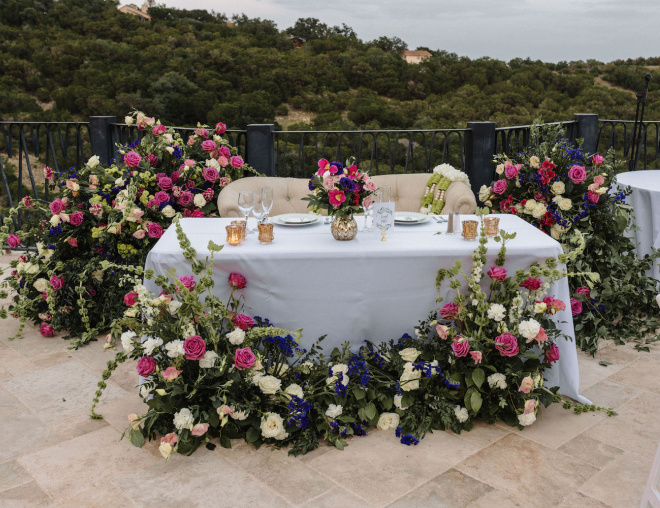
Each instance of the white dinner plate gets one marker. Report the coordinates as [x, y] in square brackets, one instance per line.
[295, 219]
[410, 218]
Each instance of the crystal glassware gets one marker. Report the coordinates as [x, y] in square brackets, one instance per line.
[259, 210]
[368, 206]
[246, 204]
[234, 234]
[470, 229]
[265, 233]
[267, 200]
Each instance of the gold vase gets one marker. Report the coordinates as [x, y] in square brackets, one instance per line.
[344, 228]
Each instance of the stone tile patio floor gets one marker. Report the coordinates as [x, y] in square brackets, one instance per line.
[53, 454]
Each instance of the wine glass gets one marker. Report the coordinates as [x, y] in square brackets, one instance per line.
[368, 205]
[385, 193]
[267, 200]
[259, 210]
[245, 205]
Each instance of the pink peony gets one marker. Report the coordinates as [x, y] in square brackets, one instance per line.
[460, 347]
[552, 353]
[194, 347]
[210, 174]
[236, 280]
[497, 273]
[199, 429]
[593, 196]
[46, 330]
[154, 230]
[499, 187]
[576, 307]
[577, 174]
[337, 197]
[476, 356]
[220, 128]
[76, 219]
[14, 241]
[188, 281]
[243, 322]
[56, 282]
[449, 311]
[132, 159]
[526, 385]
[165, 183]
[236, 161]
[585, 291]
[244, 358]
[507, 344]
[208, 145]
[57, 207]
[531, 284]
[328, 183]
[158, 130]
[130, 299]
[171, 373]
[597, 160]
[72, 242]
[225, 152]
[442, 331]
[146, 366]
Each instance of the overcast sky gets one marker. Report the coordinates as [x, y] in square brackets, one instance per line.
[548, 30]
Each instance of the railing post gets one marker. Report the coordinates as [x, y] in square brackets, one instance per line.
[100, 137]
[587, 129]
[260, 148]
[480, 146]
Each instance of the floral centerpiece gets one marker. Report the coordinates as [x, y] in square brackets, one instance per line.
[437, 185]
[93, 237]
[563, 191]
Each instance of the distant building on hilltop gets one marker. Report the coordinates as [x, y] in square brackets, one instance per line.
[415, 57]
[133, 9]
[296, 41]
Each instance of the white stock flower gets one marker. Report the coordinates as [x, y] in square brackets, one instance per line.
[529, 328]
[209, 360]
[269, 385]
[496, 312]
[497, 380]
[461, 414]
[93, 161]
[183, 419]
[388, 421]
[41, 285]
[294, 389]
[333, 411]
[127, 340]
[526, 419]
[199, 200]
[236, 337]
[397, 402]
[174, 348]
[558, 188]
[168, 211]
[409, 354]
[273, 427]
[151, 344]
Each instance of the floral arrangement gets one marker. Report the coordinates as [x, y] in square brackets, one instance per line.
[563, 191]
[340, 191]
[214, 373]
[442, 177]
[93, 238]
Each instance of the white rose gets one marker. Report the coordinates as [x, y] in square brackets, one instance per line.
[183, 419]
[340, 367]
[199, 200]
[499, 169]
[150, 344]
[41, 285]
[558, 188]
[539, 211]
[333, 411]
[294, 389]
[410, 379]
[409, 354]
[540, 307]
[173, 306]
[496, 312]
[497, 380]
[209, 360]
[269, 384]
[273, 427]
[256, 378]
[239, 415]
[529, 328]
[526, 419]
[388, 421]
[55, 220]
[93, 161]
[461, 414]
[530, 205]
[127, 340]
[128, 120]
[397, 402]
[168, 211]
[565, 204]
[236, 337]
[333, 379]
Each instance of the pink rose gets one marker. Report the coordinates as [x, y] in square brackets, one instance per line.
[225, 152]
[577, 174]
[130, 299]
[497, 273]
[186, 198]
[139, 234]
[194, 347]
[236, 162]
[576, 307]
[597, 160]
[174, 176]
[208, 145]
[223, 161]
[531, 284]
[499, 187]
[57, 207]
[27, 201]
[210, 174]
[170, 438]
[526, 385]
[197, 213]
[153, 159]
[236, 280]
[530, 406]
[449, 311]
[552, 353]
[208, 194]
[76, 219]
[46, 330]
[188, 281]
[199, 429]
[165, 183]
[220, 128]
[56, 282]
[243, 322]
[202, 133]
[599, 180]
[154, 230]
[476, 356]
[442, 331]
[72, 242]
[162, 197]
[132, 159]
[511, 171]
[244, 358]
[507, 344]
[14, 241]
[146, 366]
[171, 373]
[461, 347]
[158, 130]
[584, 291]
[370, 185]
[593, 197]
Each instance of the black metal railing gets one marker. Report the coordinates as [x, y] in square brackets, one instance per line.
[618, 134]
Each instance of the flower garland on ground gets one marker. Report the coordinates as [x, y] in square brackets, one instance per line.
[561, 190]
[436, 187]
[93, 238]
[213, 372]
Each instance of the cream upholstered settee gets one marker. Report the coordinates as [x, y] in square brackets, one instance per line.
[407, 193]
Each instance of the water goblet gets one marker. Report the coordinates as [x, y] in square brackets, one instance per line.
[267, 200]
[259, 210]
[246, 204]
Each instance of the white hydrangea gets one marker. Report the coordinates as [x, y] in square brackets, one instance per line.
[236, 337]
[496, 312]
[529, 328]
[333, 411]
[174, 348]
[184, 419]
[526, 419]
[461, 414]
[497, 380]
[294, 389]
[151, 344]
[209, 360]
[127, 340]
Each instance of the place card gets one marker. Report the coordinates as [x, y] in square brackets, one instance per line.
[384, 216]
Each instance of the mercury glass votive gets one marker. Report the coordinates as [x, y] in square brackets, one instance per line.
[470, 228]
[492, 226]
[265, 233]
[234, 234]
[243, 225]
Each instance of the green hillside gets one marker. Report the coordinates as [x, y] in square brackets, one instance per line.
[73, 58]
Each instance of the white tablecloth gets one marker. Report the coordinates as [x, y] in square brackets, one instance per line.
[645, 200]
[360, 289]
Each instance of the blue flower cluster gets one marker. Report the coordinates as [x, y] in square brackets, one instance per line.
[299, 410]
[55, 230]
[574, 154]
[286, 344]
[427, 369]
[584, 208]
[406, 439]
[357, 366]
[340, 388]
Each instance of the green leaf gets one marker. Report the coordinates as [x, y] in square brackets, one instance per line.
[387, 403]
[478, 376]
[214, 247]
[225, 442]
[530, 355]
[136, 438]
[467, 400]
[359, 393]
[604, 363]
[370, 411]
[476, 401]
[252, 435]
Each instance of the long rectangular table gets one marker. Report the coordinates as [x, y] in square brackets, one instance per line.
[360, 289]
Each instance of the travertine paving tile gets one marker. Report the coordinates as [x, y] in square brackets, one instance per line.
[451, 489]
[59, 391]
[205, 479]
[617, 355]
[484, 434]
[79, 464]
[498, 499]
[9, 403]
[590, 450]
[13, 364]
[12, 475]
[115, 412]
[591, 372]
[23, 432]
[70, 427]
[28, 494]
[642, 373]
[337, 497]
[379, 469]
[104, 496]
[527, 470]
[607, 393]
[577, 500]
